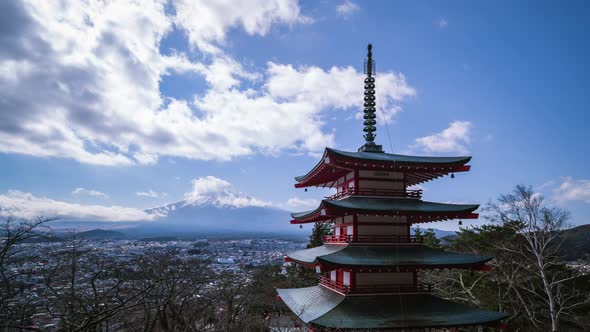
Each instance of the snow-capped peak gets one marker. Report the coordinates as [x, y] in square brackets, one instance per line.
[210, 190]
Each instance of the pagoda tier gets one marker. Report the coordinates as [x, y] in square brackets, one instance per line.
[371, 269]
[336, 164]
[331, 311]
[381, 257]
[412, 211]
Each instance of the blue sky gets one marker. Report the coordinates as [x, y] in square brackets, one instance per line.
[113, 108]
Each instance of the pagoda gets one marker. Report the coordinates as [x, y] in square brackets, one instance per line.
[368, 269]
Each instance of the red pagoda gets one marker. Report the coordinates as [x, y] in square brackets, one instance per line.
[368, 267]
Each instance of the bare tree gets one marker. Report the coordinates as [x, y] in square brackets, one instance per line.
[537, 252]
[454, 284]
[87, 291]
[16, 305]
[181, 298]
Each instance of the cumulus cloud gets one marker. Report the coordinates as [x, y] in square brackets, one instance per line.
[216, 191]
[338, 87]
[208, 21]
[89, 192]
[26, 205]
[81, 81]
[151, 194]
[296, 202]
[453, 139]
[347, 8]
[572, 189]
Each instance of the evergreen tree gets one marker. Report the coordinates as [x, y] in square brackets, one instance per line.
[430, 239]
[320, 230]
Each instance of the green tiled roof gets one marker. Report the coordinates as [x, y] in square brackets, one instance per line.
[310, 303]
[388, 205]
[389, 157]
[320, 306]
[400, 255]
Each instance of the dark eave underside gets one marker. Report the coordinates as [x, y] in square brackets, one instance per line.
[385, 206]
[322, 307]
[415, 256]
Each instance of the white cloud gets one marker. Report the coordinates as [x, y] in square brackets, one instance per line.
[418, 187]
[453, 139]
[151, 194]
[27, 205]
[347, 8]
[339, 87]
[572, 189]
[89, 192]
[208, 21]
[216, 191]
[296, 202]
[441, 23]
[81, 81]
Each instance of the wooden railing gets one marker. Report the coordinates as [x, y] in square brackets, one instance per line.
[402, 193]
[373, 289]
[334, 285]
[372, 239]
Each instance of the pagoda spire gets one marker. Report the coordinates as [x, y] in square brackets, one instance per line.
[369, 124]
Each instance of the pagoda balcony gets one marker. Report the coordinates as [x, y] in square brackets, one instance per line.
[398, 193]
[373, 289]
[345, 239]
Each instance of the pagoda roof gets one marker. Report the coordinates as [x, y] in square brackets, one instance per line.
[429, 211]
[320, 306]
[391, 157]
[406, 256]
[336, 163]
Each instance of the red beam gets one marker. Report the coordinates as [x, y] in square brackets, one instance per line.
[464, 168]
[314, 218]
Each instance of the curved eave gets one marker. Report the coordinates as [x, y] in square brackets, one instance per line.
[315, 215]
[418, 210]
[407, 257]
[314, 170]
[321, 307]
[419, 169]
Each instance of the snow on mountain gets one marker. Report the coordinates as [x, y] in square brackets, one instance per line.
[214, 191]
[211, 191]
[214, 205]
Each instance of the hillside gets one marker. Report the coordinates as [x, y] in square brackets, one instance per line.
[576, 244]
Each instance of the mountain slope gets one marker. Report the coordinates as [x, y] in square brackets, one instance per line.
[576, 245]
[211, 217]
[218, 208]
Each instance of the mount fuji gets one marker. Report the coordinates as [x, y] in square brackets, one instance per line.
[223, 211]
[214, 206]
